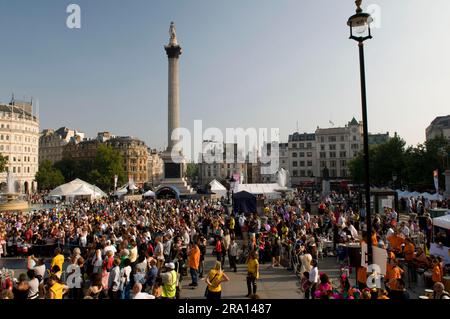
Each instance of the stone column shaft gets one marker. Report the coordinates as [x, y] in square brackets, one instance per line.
[174, 100]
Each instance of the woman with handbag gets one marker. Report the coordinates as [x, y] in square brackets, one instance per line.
[214, 281]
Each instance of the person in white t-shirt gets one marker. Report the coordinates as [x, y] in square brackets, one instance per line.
[39, 270]
[352, 230]
[109, 247]
[313, 279]
[389, 232]
[33, 284]
[125, 280]
[405, 230]
[138, 294]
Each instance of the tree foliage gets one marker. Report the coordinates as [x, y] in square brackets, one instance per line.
[107, 164]
[99, 171]
[3, 163]
[48, 177]
[192, 171]
[413, 166]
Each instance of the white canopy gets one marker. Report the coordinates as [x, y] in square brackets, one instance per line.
[406, 194]
[268, 190]
[132, 187]
[149, 194]
[218, 189]
[77, 188]
[121, 191]
[443, 221]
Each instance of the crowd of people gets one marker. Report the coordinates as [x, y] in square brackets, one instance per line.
[143, 250]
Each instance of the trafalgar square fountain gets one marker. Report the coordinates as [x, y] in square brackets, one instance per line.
[283, 181]
[11, 201]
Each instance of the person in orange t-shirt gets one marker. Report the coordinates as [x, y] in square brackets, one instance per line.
[389, 265]
[408, 250]
[361, 276]
[396, 242]
[436, 273]
[374, 238]
[194, 263]
[393, 274]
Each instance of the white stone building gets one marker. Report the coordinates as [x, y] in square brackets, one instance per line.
[336, 146]
[155, 166]
[302, 158]
[51, 143]
[19, 143]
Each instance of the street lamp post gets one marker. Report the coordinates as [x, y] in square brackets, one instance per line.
[360, 31]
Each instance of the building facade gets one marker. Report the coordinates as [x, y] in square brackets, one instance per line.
[230, 160]
[134, 153]
[52, 143]
[336, 147]
[302, 158]
[378, 139]
[135, 156]
[19, 144]
[440, 126]
[155, 166]
[84, 150]
[267, 166]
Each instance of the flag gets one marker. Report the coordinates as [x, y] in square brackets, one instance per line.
[436, 180]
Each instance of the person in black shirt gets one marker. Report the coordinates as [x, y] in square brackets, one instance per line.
[202, 247]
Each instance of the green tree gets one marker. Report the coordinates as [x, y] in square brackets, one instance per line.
[413, 166]
[192, 171]
[388, 158]
[423, 159]
[72, 169]
[107, 164]
[3, 162]
[48, 177]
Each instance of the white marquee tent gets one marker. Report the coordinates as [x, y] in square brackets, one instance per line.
[268, 190]
[149, 194]
[121, 191]
[77, 188]
[443, 221]
[406, 194]
[218, 189]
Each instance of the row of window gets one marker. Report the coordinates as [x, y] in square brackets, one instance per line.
[323, 164]
[302, 154]
[19, 127]
[18, 138]
[19, 149]
[19, 159]
[332, 154]
[302, 163]
[135, 168]
[302, 145]
[302, 173]
[18, 169]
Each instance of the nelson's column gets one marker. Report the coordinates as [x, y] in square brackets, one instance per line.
[174, 162]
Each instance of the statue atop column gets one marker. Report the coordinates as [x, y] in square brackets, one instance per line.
[358, 6]
[173, 34]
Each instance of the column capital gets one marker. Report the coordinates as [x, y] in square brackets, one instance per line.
[173, 51]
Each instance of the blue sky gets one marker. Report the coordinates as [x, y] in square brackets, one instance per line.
[252, 63]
